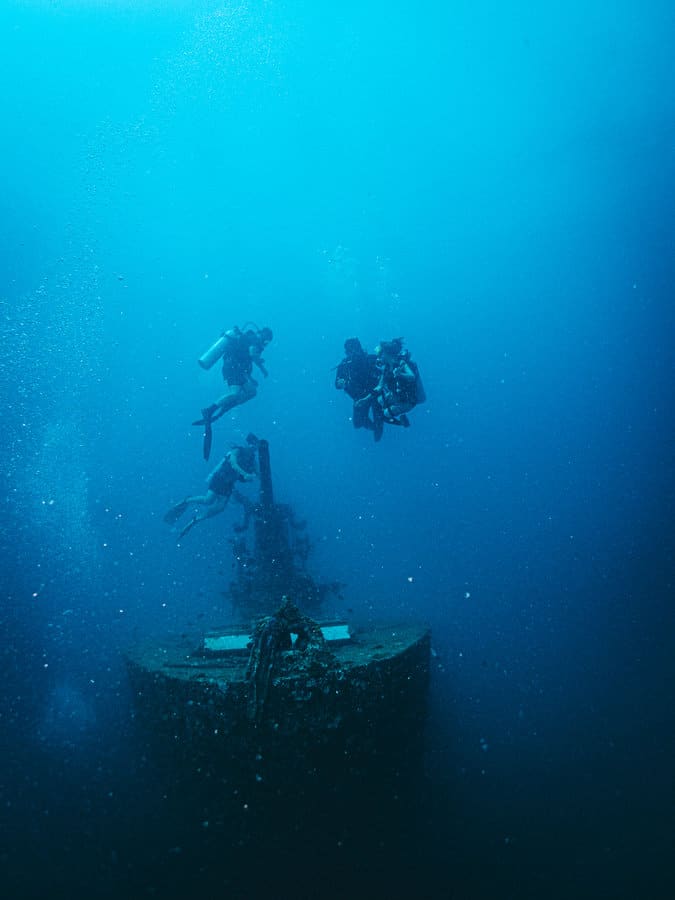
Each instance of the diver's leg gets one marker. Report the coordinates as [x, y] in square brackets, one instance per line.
[206, 499]
[217, 506]
[238, 394]
[214, 507]
[402, 419]
[364, 401]
[378, 421]
[398, 412]
[213, 412]
[360, 417]
[214, 503]
[207, 415]
[226, 403]
[222, 405]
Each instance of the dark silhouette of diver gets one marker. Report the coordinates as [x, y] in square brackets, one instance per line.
[358, 376]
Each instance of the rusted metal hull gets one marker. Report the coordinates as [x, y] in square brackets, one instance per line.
[367, 706]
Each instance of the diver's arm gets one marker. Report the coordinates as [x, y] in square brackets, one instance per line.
[232, 459]
[404, 371]
[254, 351]
[341, 376]
[260, 363]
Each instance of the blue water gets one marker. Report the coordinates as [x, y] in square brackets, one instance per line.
[495, 182]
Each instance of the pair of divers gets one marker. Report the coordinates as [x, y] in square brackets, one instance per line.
[384, 386]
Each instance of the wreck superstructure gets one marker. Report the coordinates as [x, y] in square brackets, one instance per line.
[270, 554]
[283, 694]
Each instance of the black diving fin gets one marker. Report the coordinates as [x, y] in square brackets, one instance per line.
[206, 420]
[187, 527]
[208, 439]
[174, 514]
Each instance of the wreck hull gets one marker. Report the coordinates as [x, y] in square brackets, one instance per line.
[366, 711]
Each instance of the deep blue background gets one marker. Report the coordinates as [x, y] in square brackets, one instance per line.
[495, 182]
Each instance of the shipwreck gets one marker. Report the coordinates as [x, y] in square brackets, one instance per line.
[284, 695]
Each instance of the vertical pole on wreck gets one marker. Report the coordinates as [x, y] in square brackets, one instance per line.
[271, 551]
[266, 495]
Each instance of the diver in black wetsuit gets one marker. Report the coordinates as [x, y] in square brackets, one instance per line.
[358, 375]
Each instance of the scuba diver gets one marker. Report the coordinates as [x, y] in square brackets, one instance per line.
[358, 376]
[239, 349]
[237, 465]
[400, 387]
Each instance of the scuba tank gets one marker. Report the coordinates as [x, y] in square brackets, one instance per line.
[215, 351]
[420, 393]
